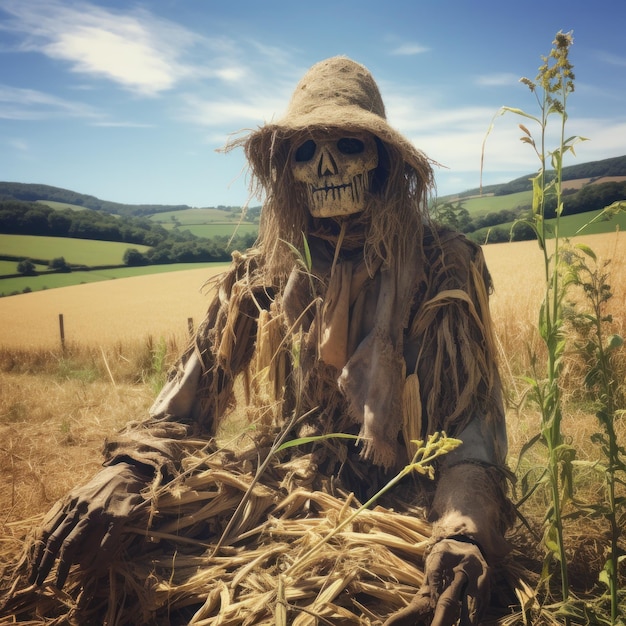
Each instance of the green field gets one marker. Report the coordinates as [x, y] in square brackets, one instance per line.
[208, 222]
[196, 216]
[60, 206]
[218, 230]
[9, 286]
[74, 251]
[572, 225]
[10, 267]
[492, 204]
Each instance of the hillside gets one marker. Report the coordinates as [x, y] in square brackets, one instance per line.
[488, 214]
[165, 234]
[593, 171]
[57, 197]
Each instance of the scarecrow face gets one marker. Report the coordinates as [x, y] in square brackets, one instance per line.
[336, 171]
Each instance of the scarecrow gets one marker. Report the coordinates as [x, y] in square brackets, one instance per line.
[353, 315]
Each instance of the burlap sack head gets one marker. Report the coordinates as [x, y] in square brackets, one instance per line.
[337, 94]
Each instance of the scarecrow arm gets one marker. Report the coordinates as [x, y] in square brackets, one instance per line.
[200, 388]
[86, 525]
[452, 349]
[470, 514]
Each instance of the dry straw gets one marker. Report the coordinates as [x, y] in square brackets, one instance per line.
[266, 568]
[297, 553]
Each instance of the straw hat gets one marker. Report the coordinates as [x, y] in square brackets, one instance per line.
[336, 93]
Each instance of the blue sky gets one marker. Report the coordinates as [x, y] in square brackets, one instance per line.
[128, 101]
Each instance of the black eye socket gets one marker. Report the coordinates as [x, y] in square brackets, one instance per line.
[350, 145]
[306, 151]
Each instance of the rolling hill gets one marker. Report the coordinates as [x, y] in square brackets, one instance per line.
[174, 234]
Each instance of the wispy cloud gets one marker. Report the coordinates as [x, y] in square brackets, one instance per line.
[230, 114]
[30, 104]
[611, 59]
[408, 49]
[18, 145]
[454, 135]
[504, 79]
[136, 50]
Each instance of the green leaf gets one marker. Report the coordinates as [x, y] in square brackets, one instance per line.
[585, 249]
[550, 540]
[614, 341]
[537, 195]
[307, 253]
[304, 440]
[516, 111]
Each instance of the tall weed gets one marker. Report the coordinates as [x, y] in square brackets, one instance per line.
[563, 270]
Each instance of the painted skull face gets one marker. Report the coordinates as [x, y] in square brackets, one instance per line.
[336, 170]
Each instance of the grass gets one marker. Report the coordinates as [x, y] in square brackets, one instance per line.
[218, 230]
[10, 267]
[481, 205]
[579, 326]
[78, 251]
[195, 216]
[569, 226]
[206, 222]
[487, 204]
[51, 281]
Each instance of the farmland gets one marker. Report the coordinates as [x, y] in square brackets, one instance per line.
[58, 406]
[208, 222]
[81, 252]
[78, 251]
[108, 312]
[55, 280]
[479, 205]
[145, 305]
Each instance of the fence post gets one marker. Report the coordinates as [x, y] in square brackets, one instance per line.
[62, 331]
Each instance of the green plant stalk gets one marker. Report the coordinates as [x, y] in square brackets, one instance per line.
[606, 415]
[551, 332]
[551, 87]
[611, 566]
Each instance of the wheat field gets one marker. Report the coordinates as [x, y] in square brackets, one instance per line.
[54, 416]
[160, 304]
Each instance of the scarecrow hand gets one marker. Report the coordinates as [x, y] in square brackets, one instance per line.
[455, 588]
[85, 526]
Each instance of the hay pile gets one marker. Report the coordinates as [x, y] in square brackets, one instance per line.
[225, 548]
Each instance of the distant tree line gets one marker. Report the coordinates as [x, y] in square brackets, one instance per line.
[589, 198]
[166, 246]
[29, 218]
[199, 250]
[592, 170]
[28, 192]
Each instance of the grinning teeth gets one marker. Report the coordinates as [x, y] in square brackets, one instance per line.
[322, 196]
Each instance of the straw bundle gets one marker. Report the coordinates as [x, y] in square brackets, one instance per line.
[197, 556]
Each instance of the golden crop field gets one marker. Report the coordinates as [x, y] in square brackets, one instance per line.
[106, 312]
[159, 305]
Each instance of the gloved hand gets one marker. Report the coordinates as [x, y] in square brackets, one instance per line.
[456, 587]
[85, 526]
